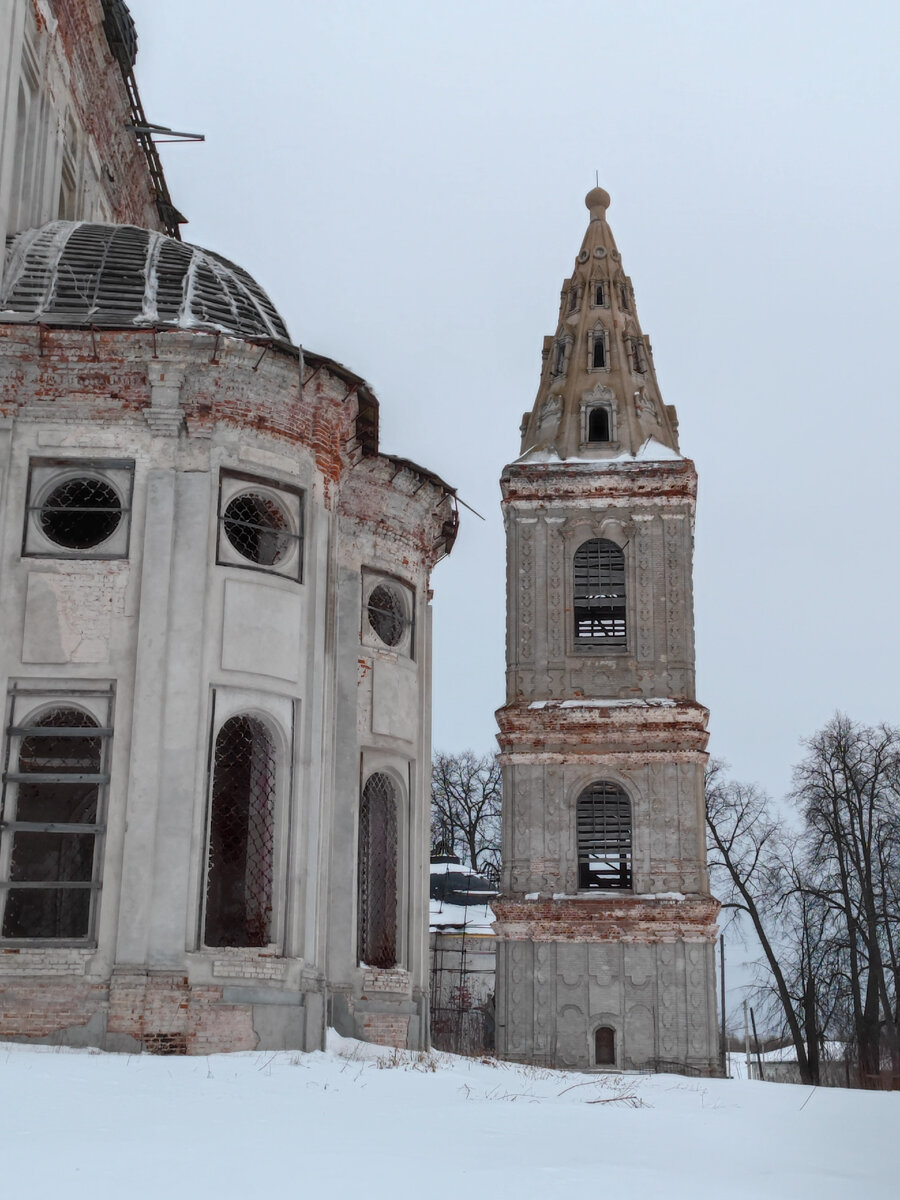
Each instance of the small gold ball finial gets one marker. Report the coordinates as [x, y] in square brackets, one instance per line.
[597, 201]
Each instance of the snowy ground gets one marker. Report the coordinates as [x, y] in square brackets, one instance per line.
[366, 1123]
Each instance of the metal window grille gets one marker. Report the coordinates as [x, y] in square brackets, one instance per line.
[377, 931]
[240, 860]
[603, 817]
[80, 513]
[605, 1047]
[258, 529]
[387, 615]
[599, 593]
[598, 425]
[53, 823]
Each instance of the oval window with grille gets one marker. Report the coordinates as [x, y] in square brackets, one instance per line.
[386, 614]
[81, 513]
[258, 529]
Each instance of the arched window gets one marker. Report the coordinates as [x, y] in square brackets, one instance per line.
[603, 820]
[241, 836]
[598, 425]
[377, 873]
[598, 349]
[599, 593]
[52, 818]
[559, 359]
[605, 1047]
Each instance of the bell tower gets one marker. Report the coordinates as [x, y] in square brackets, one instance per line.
[606, 929]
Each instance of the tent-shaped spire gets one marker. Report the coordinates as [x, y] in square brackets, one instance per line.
[598, 396]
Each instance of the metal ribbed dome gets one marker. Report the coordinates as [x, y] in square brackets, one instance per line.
[76, 273]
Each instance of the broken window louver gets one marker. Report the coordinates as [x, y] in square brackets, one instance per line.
[599, 593]
[240, 856]
[377, 873]
[386, 614]
[84, 273]
[603, 817]
[52, 822]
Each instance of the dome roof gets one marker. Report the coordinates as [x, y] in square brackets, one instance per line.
[76, 273]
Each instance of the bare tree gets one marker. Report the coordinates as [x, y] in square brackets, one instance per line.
[847, 791]
[750, 867]
[465, 809]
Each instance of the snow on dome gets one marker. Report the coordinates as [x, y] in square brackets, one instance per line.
[78, 273]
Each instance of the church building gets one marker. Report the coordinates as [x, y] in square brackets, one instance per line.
[215, 606]
[606, 929]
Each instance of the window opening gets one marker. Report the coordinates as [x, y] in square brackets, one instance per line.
[559, 362]
[598, 425]
[377, 880]
[386, 614]
[241, 836]
[605, 1047]
[598, 352]
[623, 295]
[258, 529]
[637, 355]
[599, 295]
[81, 513]
[604, 837]
[53, 822]
[599, 593]
[573, 299]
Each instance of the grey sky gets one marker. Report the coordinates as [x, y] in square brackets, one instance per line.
[407, 181]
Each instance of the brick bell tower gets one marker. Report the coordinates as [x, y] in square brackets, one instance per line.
[606, 929]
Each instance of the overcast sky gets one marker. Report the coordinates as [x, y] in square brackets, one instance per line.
[407, 182]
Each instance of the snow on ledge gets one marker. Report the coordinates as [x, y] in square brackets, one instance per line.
[651, 702]
[650, 451]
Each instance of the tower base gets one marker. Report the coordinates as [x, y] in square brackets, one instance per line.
[625, 983]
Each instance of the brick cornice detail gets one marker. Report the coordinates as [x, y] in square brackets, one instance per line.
[586, 728]
[623, 919]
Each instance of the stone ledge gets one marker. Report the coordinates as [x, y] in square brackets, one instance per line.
[624, 919]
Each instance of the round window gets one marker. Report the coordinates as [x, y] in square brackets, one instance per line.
[81, 513]
[258, 529]
[386, 615]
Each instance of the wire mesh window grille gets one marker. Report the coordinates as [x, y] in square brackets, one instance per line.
[599, 593]
[80, 513]
[377, 873]
[603, 817]
[387, 614]
[598, 425]
[240, 859]
[52, 826]
[258, 529]
[605, 1047]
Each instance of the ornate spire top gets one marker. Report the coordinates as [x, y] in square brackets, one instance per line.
[598, 397]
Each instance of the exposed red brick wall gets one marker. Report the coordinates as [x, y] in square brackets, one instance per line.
[626, 918]
[384, 1029]
[168, 1016]
[103, 110]
[161, 1011]
[39, 1007]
